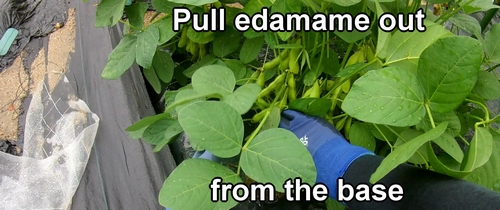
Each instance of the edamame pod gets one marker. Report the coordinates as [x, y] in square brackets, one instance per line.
[261, 80]
[284, 64]
[293, 63]
[183, 41]
[272, 64]
[315, 90]
[280, 79]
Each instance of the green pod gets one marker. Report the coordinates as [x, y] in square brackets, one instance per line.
[272, 64]
[315, 90]
[261, 80]
[183, 41]
[284, 64]
[280, 79]
[259, 116]
[293, 63]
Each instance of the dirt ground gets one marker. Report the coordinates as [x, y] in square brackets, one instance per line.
[18, 81]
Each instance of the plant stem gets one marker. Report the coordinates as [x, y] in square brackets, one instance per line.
[346, 55]
[385, 138]
[430, 115]
[493, 68]
[487, 113]
[346, 78]
[463, 139]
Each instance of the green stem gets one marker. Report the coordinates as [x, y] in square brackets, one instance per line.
[130, 25]
[385, 138]
[455, 11]
[493, 68]
[346, 78]
[487, 113]
[346, 55]
[464, 140]
[430, 115]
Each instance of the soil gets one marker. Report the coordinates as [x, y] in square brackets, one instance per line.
[19, 80]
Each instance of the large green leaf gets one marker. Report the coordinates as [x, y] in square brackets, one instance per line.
[164, 26]
[311, 106]
[448, 71]
[479, 151]
[361, 135]
[226, 42]
[251, 49]
[450, 145]
[239, 69]
[152, 78]
[164, 6]
[214, 79]
[146, 44]
[442, 167]
[405, 151]
[492, 43]
[487, 175]
[390, 96]
[188, 96]
[478, 6]
[187, 187]
[420, 155]
[145, 122]
[286, 7]
[162, 131]
[121, 58]
[404, 48]
[213, 125]
[135, 13]
[276, 155]
[109, 12]
[206, 60]
[467, 23]
[487, 86]
[273, 120]
[243, 98]
[164, 66]
[344, 3]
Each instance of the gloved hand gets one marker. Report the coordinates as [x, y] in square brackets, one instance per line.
[331, 152]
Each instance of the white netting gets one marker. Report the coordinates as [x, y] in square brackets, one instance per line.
[59, 133]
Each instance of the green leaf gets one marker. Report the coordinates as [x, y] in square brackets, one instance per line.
[286, 7]
[146, 44]
[479, 151]
[382, 133]
[162, 131]
[313, 73]
[188, 96]
[487, 175]
[109, 12]
[213, 125]
[448, 144]
[121, 58]
[331, 62]
[239, 69]
[251, 49]
[200, 37]
[390, 96]
[439, 166]
[243, 98]
[383, 37]
[467, 23]
[214, 79]
[206, 60]
[164, 66]
[274, 156]
[135, 13]
[165, 29]
[448, 71]
[169, 99]
[226, 42]
[478, 6]
[454, 125]
[420, 156]
[273, 120]
[311, 106]
[145, 122]
[487, 86]
[193, 2]
[187, 186]
[344, 3]
[361, 135]
[404, 48]
[334, 205]
[288, 46]
[350, 70]
[152, 78]
[164, 6]
[492, 43]
[405, 151]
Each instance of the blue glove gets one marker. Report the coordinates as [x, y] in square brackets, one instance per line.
[331, 152]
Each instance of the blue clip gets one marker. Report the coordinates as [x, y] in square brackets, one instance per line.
[7, 39]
